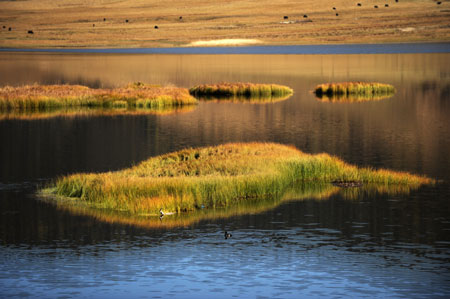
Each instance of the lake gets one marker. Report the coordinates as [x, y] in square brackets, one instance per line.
[374, 244]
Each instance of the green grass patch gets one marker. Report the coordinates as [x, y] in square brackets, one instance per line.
[215, 177]
[135, 95]
[354, 91]
[241, 91]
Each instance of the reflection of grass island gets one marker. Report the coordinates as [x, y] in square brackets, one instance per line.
[245, 100]
[136, 95]
[249, 91]
[300, 191]
[243, 207]
[213, 177]
[352, 98]
[74, 112]
[353, 91]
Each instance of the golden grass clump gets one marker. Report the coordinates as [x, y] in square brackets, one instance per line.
[354, 91]
[137, 95]
[215, 177]
[241, 90]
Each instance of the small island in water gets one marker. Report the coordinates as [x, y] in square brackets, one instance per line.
[211, 177]
[132, 98]
[353, 91]
[134, 95]
[248, 92]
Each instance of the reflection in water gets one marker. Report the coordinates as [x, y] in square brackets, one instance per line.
[323, 246]
[250, 100]
[244, 207]
[353, 243]
[301, 191]
[351, 98]
[89, 112]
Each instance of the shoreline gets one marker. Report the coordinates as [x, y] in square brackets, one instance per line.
[386, 48]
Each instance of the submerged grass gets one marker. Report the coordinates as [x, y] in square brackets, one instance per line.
[135, 95]
[354, 91]
[215, 177]
[241, 91]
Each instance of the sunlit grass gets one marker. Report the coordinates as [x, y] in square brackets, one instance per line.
[241, 91]
[354, 91]
[215, 177]
[135, 95]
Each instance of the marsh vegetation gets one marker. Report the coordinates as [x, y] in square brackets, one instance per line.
[217, 176]
[241, 91]
[133, 96]
[353, 91]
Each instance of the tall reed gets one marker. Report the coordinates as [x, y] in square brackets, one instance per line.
[361, 90]
[214, 177]
[241, 90]
[137, 95]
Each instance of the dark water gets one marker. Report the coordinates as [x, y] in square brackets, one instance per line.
[374, 245]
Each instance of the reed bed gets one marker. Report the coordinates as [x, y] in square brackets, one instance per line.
[354, 90]
[241, 90]
[135, 95]
[215, 177]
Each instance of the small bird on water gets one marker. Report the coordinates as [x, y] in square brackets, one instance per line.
[227, 235]
[161, 213]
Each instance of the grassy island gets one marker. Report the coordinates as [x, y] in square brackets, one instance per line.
[217, 176]
[241, 91]
[354, 91]
[135, 95]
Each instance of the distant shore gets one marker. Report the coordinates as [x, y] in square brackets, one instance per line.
[130, 24]
[387, 48]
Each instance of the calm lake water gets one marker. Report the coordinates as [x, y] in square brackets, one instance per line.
[372, 244]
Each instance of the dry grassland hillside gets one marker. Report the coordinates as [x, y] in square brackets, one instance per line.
[174, 23]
